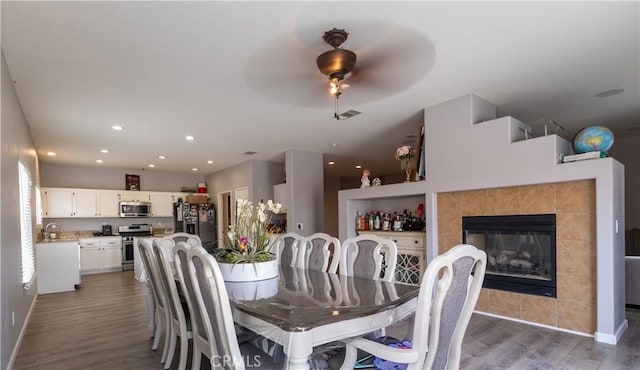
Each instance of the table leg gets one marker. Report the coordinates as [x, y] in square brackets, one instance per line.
[298, 350]
[151, 309]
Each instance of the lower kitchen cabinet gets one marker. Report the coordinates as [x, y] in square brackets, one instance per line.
[411, 254]
[58, 266]
[99, 255]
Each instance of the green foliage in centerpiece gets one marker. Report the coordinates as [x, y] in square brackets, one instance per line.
[249, 239]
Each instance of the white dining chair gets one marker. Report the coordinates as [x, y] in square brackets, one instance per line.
[184, 237]
[369, 256]
[286, 248]
[320, 252]
[448, 294]
[216, 335]
[161, 309]
[179, 324]
[180, 251]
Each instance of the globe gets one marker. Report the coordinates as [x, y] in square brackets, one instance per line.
[593, 138]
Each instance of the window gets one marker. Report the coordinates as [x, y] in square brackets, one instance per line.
[26, 227]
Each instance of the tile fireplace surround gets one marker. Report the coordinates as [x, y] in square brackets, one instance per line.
[574, 205]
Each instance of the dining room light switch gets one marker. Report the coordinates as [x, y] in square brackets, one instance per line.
[299, 226]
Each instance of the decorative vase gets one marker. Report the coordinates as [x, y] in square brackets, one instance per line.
[406, 165]
[249, 271]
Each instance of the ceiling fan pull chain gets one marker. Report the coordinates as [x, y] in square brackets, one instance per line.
[337, 109]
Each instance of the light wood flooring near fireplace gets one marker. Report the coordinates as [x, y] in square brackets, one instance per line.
[103, 326]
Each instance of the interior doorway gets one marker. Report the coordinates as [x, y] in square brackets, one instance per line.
[225, 215]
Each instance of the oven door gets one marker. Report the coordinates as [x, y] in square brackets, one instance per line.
[127, 253]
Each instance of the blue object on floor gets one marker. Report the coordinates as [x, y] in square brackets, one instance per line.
[382, 364]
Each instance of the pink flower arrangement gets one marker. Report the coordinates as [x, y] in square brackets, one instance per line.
[405, 152]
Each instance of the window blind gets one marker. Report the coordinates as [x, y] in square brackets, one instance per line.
[26, 227]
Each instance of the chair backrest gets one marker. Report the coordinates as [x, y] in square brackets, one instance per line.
[180, 261]
[448, 295]
[213, 301]
[153, 275]
[287, 248]
[164, 259]
[191, 239]
[320, 252]
[369, 256]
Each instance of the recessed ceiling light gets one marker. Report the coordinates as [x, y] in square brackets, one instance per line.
[358, 166]
[332, 162]
[609, 92]
[152, 165]
[210, 162]
[162, 156]
[189, 138]
[104, 151]
[99, 161]
[194, 169]
[117, 127]
[51, 154]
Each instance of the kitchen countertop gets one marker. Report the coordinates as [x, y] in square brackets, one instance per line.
[58, 240]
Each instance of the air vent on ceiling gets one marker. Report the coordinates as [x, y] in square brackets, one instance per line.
[348, 114]
[249, 152]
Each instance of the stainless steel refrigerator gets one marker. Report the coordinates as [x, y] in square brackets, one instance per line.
[196, 219]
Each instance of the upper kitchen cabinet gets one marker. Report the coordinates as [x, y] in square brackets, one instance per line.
[58, 202]
[64, 203]
[281, 195]
[162, 204]
[108, 203]
[135, 196]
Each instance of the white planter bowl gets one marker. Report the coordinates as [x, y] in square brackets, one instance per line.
[252, 290]
[249, 271]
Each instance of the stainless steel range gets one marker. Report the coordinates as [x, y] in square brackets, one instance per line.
[128, 233]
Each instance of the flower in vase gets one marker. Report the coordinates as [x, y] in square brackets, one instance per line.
[249, 239]
[405, 152]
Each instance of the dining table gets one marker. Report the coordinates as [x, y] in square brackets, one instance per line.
[302, 309]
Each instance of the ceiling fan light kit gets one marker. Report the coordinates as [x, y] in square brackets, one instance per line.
[336, 63]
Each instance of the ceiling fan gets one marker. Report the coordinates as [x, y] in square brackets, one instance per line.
[284, 65]
[336, 64]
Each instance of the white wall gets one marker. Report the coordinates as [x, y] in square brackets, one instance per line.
[263, 176]
[16, 144]
[229, 179]
[627, 151]
[305, 183]
[463, 152]
[65, 176]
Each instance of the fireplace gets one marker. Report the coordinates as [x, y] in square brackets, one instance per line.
[521, 251]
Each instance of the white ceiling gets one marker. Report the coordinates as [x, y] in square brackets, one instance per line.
[242, 76]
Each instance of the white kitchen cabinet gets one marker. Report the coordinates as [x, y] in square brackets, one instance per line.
[85, 203]
[281, 195]
[58, 267]
[108, 203]
[161, 204]
[64, 203]
[135, 196]
[101, 254]
[58, 202]
[410, 265]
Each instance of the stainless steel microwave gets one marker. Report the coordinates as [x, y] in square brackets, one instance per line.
[135, 209]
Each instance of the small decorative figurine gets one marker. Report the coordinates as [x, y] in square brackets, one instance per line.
[365, 179]
[376, 182]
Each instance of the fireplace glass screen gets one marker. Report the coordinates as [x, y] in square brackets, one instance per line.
[521, 251]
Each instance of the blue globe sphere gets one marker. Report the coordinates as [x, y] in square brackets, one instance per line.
[593, 138]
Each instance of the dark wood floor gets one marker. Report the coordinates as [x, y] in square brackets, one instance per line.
[103, 325]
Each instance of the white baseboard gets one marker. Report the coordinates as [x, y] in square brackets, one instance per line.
[537, 324]
[612, 338]
[16, 348]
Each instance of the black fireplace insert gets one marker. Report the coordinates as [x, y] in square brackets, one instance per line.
[521, 251]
